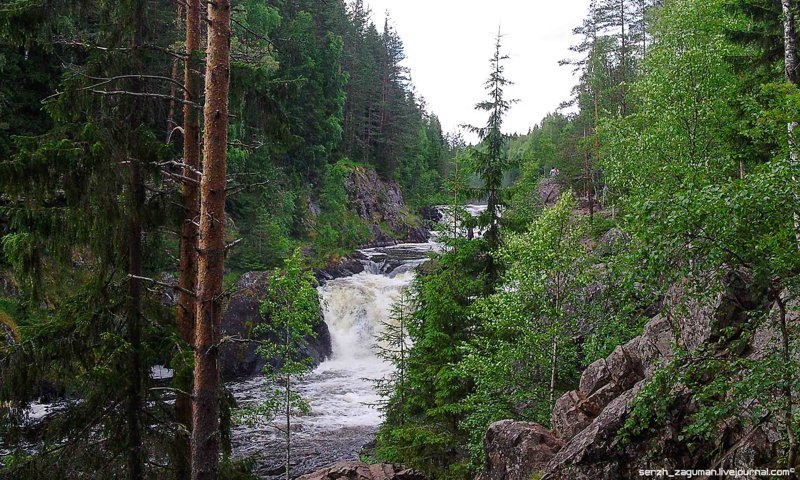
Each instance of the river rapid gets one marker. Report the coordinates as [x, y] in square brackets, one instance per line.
[340, 391]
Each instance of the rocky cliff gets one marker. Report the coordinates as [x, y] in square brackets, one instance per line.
[381, 205]
[588, 441]
[240, 358]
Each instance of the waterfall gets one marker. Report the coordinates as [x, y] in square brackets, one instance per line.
[341, 390]
[355, 309]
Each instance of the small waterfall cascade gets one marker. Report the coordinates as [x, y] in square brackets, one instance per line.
[340, 391]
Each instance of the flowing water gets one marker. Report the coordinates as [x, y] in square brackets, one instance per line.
[341, 390]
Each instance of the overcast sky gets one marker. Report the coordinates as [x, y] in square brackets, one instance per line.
[449, 43]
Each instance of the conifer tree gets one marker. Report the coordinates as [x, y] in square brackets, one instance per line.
[187, 276]
[490, 159]
[211, 247]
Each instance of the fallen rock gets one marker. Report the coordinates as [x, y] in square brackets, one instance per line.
[517, 450]
[354, 470]
[611, 242]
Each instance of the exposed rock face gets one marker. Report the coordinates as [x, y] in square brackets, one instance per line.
[549, 191]
[345, 267]
[380, 203]
[588, 420]
[515, 449]
[431, 214]
[362, 471]
[243, 315]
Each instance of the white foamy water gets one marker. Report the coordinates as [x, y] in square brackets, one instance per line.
[340, 391]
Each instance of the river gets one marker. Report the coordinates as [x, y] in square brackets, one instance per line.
[340, 390]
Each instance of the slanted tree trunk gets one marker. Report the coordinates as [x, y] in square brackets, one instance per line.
[187, 278]
[206, 412]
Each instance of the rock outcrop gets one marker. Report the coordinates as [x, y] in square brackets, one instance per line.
[588, 420]
[345, 267]
[380, 203]
[549, 191]
[241, 359]
[515, 449]
[362, 471]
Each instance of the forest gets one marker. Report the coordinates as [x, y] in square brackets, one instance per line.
[237, 243]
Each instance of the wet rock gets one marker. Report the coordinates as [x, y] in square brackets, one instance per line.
[431, 214]
[361, 471]
[417, 235]
[517, 450]
[345, 267]
[239, 359]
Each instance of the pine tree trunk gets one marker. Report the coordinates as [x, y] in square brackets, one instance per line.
[134, 401]
[187, 305]
[206, 412]
[134, 394]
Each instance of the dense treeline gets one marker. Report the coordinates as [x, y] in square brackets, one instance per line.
[106, 199]
[676, 140]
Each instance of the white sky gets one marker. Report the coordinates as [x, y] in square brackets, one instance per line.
[449, 43]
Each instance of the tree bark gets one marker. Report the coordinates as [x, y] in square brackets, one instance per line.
[790, 41]
[206, 412]
[134, 401]
[187, 281]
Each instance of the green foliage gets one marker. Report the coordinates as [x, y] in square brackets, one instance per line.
[528, 326]
[338, 230]
[292, 309]
[489, 160]
[393, 346]
[424, 430]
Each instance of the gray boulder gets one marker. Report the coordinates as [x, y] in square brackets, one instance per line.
[354, 470]
[517, 450]
[239, 358]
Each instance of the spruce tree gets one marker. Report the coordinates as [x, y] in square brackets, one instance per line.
[490, 159]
